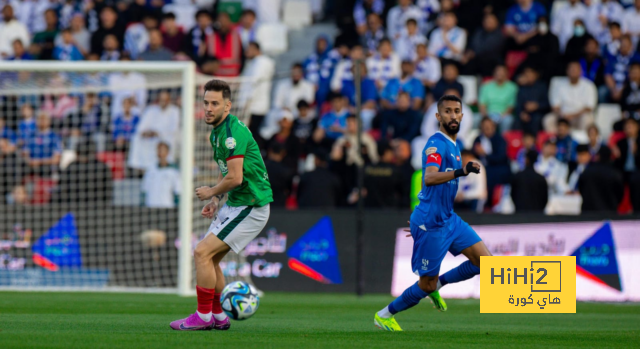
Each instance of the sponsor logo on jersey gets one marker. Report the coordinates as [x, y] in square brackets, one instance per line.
[430, 150]
[230, 143]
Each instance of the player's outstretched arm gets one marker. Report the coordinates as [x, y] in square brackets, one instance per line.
[432, 176]
[230, 181]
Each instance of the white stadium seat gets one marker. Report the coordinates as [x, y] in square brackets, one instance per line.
[470, 84]
[297, 14]
[606, 116]
[272, 38]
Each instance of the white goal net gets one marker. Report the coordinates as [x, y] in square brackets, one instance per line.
[98, 162]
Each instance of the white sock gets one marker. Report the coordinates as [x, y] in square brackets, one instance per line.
[204, 317]
[439, 286]
[384, 313]
[220, 316]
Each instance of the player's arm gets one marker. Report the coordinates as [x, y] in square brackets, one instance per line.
[433, 176]
[232, 180]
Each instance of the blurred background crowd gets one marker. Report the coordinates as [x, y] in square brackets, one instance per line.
[551, 93]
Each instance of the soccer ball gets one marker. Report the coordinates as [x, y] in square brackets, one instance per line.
[239, 300]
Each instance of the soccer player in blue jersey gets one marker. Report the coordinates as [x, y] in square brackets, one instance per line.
[435, 228]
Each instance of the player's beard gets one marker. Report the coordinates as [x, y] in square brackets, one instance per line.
[449, 129]
[216, 119]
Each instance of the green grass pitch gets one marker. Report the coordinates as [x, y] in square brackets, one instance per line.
[112, 320]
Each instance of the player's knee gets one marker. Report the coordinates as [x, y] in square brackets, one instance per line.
[428, 285]
[201, 253]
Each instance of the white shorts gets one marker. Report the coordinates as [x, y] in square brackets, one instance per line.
[238, 226]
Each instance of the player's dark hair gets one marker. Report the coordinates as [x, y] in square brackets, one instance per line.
[218, 86]
[563, 121]
[448, 98]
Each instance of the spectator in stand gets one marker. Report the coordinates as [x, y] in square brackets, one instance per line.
[125, 125]
[631, 22]
[289, 92]
[280, 176]
[44, 40]
[124, 85]
[81, 38]
[521, 23]
[613, 41]
[574, 100]
[86, 180]
[528, 144]
[343, 69]
[92, 125]
[576, 46]
[111, 49]
[194, 44]
[402, 121]
[529, 189]
[156, 50]
[449, 81]
[136, 37]
[247, 27]
[304, 125]
[288, 140]
[398, 16]
[319, 66]
[498, 98]
[543, 51]
[371, 38]
[172, 34]
[384, 65]
[583, 158]
[553, 170]
[593, 66]
[319, 188]
[406, 83]
[428, 69]
[161, 185]
[363, 9]
[383, 186]
[618, 67]
[225, 45]
[8, 134]
[532, 102]
[595, 141]
[67, 51]
[486, 49]
[27, 126]
[565, 144]
[108, 26]
[630, 101]
[601, 15]
[42, 149]
[472, 190]
[627, 150]
[12, 167]
[491, 149]
[406, 44]
[368, 97]
[159, 123]
[448, 41]
[10, 31]
[333, 124]
[260, 70]
[600, 186]
[19, 53]
[562, 23]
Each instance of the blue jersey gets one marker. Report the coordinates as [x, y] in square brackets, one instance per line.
[436, 201]
[523, 20]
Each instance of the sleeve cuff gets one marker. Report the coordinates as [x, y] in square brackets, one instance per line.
[235, 157]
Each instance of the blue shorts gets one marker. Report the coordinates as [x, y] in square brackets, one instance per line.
[430, 247]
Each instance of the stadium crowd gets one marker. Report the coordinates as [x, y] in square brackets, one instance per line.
[532, 81]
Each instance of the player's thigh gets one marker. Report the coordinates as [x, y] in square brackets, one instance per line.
[463, 236]
[210, 247]
[241, 226]
[429, 249]
[475, 251]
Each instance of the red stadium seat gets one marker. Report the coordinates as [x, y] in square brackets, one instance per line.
[513, 61]
[625, 205]
[42, 188]
[514, 143]
[542, 137]
[115, 161]
[615, 138]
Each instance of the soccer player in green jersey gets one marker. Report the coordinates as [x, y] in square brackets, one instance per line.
[243, 177]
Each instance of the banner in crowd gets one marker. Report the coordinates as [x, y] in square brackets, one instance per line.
[606, 255]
